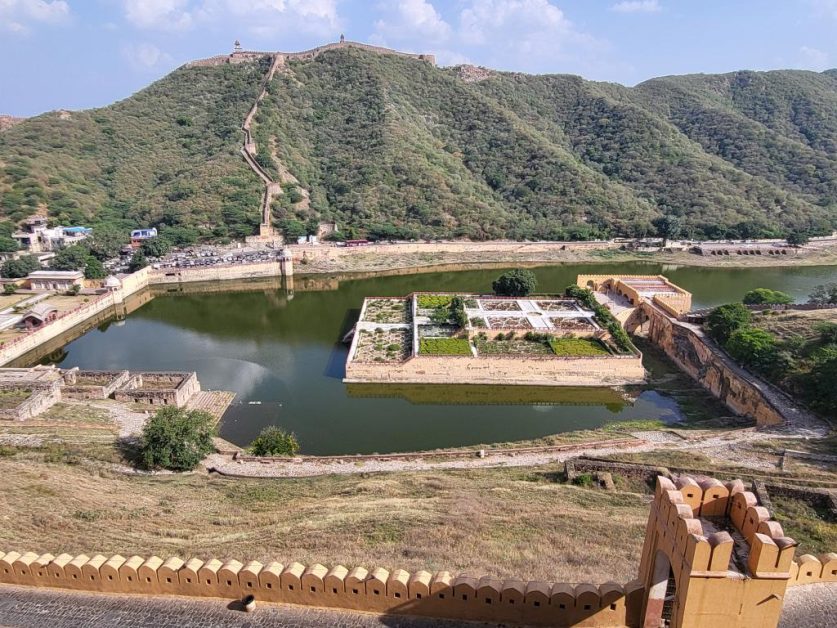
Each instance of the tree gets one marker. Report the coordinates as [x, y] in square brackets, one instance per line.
[17, 268]
[797, 238]
[668, 227]
[71, 258]
[107, 241]
[724, 320]
[274, 441]
[457, 312]
[825, 294]
[177, 439]
[138, 262]
[7, 244]
[94, 269]
[515, 283]
[753, 347]
[766, 296]
[155, 247]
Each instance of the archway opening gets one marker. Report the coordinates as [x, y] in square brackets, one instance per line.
[659, 606]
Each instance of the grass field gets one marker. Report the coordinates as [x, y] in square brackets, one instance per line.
[444, 346]
[503, 522]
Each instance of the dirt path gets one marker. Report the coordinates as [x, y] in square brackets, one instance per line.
[725, 447]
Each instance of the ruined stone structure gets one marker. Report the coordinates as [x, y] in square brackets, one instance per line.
[159, 389]
[712, 557]
[27, 392]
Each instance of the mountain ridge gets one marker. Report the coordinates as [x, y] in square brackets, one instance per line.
[396, 147]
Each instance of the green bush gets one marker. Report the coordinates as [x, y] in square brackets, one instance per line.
[766, 296]
[274, 441]
[515, 283]
[9, 288]
[177, 439]
[444, 346]
[754, 348]
[724, 320]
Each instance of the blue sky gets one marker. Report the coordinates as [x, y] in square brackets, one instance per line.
[75, 54]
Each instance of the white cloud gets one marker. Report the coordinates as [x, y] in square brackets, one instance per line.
[262, 18]
[813, 58]
[411, 21]
[528, 35]
[16, 16]
[158, 14]
[825, 7]
[637, 6]
[145, 57]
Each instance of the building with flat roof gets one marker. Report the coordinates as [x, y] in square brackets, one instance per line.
[54, 279]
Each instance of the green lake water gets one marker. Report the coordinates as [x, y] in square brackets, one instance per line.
[281, 353]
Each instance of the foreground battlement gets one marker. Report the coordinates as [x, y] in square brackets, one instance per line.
[728, 562]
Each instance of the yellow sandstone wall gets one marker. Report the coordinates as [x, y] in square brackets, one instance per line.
[378, 590]
[549, 371]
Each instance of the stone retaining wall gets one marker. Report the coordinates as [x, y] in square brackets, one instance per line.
[740, 391]
[547, 371]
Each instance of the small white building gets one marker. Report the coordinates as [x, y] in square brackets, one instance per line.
[44, 280]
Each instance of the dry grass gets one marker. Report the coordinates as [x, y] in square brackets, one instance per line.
[800, 324]
[502, 522]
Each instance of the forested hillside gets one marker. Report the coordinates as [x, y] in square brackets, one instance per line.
[389, 146]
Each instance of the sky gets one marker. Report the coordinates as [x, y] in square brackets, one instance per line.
[74, 54]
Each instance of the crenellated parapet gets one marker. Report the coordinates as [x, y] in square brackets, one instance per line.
[379, 590]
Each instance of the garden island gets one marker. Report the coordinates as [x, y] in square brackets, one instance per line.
[511, 337]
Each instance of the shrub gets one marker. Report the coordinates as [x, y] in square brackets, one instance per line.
[440, 315]
[9, 288]
[827, 331]
[176, 439]
[274, 441]
[477, 321]
[754, 348]
[724, 320]
[825, 294]
[766, 296]
[515, 283]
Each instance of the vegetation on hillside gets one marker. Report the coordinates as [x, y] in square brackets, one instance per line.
[167, 157]
[393, 147]
[796, 350]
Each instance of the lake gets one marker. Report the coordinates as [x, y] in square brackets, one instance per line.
[282, 354]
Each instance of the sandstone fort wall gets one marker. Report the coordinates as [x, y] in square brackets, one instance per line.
[695, 354]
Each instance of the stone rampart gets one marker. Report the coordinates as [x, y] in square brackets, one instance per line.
[698, 356]
[378, 590]
[610, 370]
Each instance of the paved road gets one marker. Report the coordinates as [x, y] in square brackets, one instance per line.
[22, 607]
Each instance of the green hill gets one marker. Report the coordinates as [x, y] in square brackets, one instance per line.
[390, 146]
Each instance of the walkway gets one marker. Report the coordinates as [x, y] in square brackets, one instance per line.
[22, 607]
